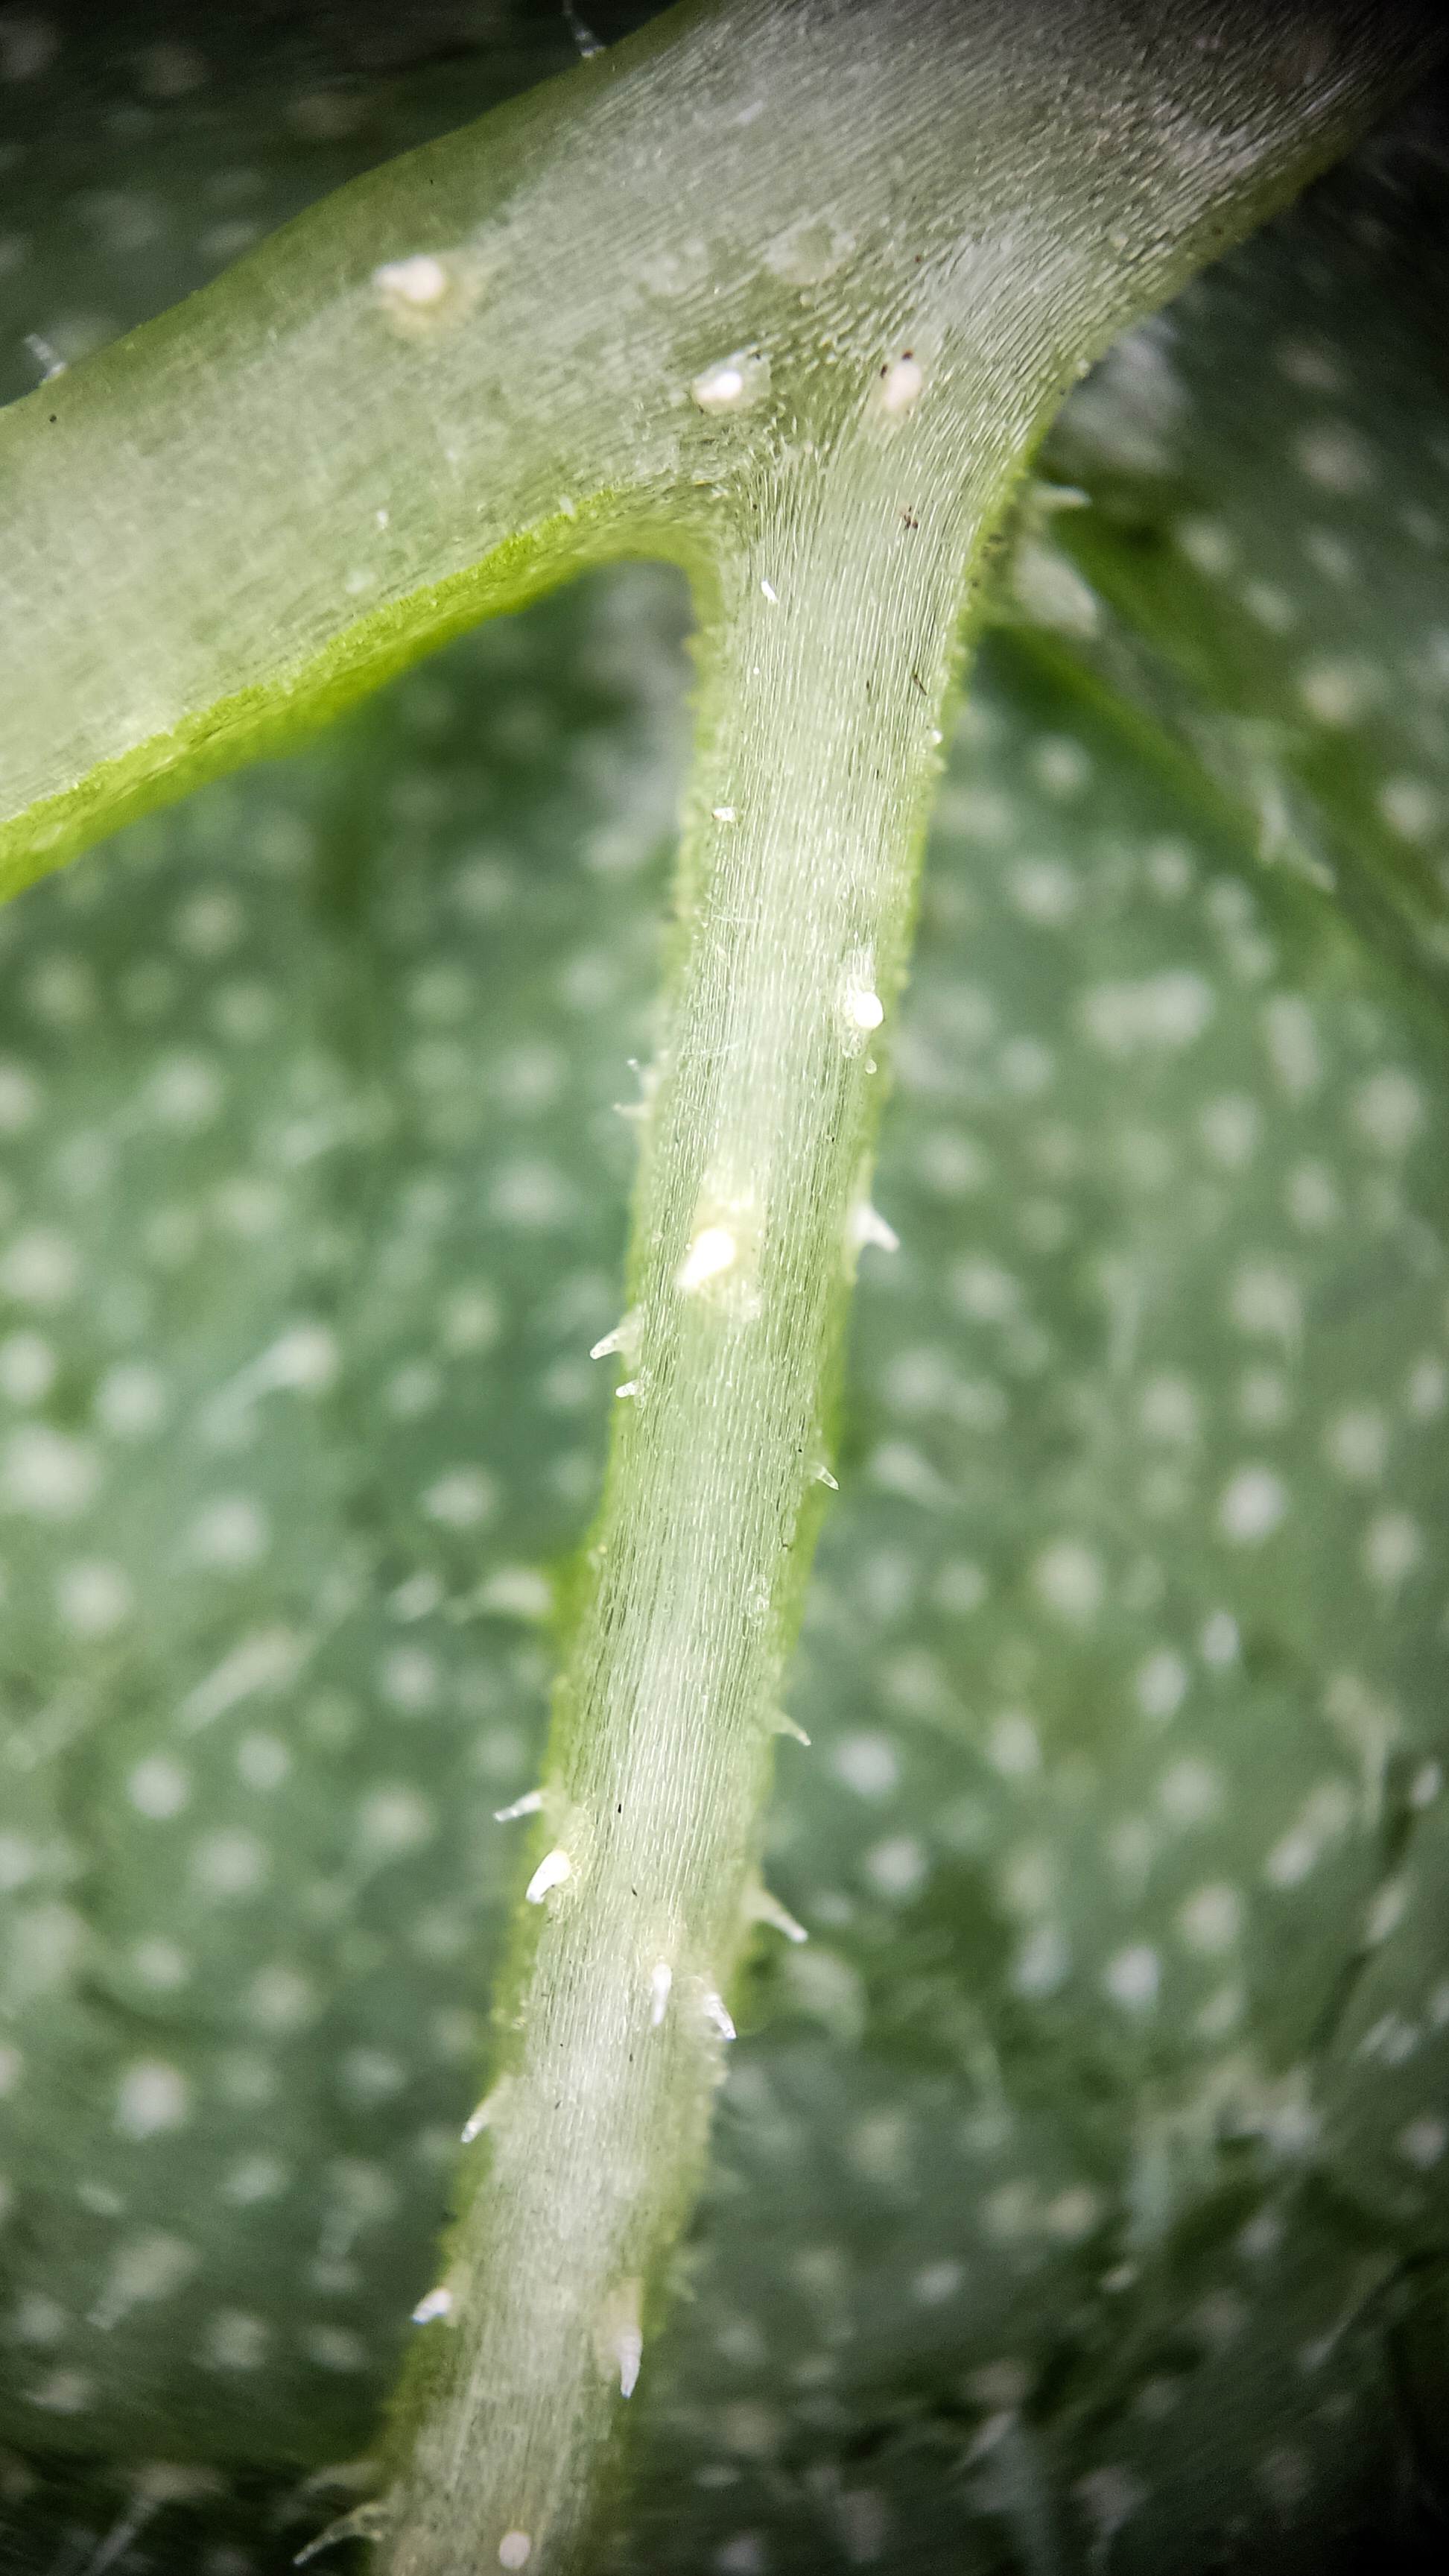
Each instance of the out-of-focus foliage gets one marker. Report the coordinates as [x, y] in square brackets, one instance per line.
[1079, 2191]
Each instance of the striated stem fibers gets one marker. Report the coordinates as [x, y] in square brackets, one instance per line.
[785, 290]
[838, 546]
[752, 1208]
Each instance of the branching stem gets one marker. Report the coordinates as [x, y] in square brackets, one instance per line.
[786, 289]
[800, 870]
[840, 570]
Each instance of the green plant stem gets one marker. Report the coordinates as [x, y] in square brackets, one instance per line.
[819, 765]
[789, 292]
[839, 608]
[241, 515]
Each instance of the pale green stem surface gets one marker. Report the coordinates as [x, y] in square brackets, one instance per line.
[787, 291]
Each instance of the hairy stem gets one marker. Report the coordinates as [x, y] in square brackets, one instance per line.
[786, 289]
[749, 1219]
[839, 589]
